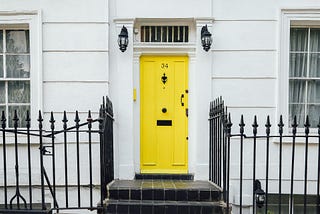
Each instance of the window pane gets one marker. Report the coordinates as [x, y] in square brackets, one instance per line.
[2, 93]
[314, 91]
[297, 90]
[298, 39]
[18, 66]
[1, 66]
[1, 41]
[17, 41]
[296, 110]
[298, 65]
[314, 65]
[315, 40]
[313, 112]
[22, 115]
[19, 92]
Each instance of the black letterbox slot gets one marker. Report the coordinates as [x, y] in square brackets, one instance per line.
[164, 122]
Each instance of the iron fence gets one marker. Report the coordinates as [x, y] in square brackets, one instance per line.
[219, 161]
[293, 168]
[73, 163]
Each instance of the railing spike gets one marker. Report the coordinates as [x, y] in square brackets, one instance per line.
[52, 121]
[101, 111]
[40, 116]
[89, 115]
[281, 125]
[268, 125]
[15, 119]
[77, 119]
[3, 120]
[64, 117]
[64, 120]
[307, 125]
[242, 124]
[255, 125]
[40, 119]
[229, 125]
[28, 119]
[294, 125]
[89, 120]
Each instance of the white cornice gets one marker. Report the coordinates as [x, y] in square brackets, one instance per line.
[18, 12]
[122, 21]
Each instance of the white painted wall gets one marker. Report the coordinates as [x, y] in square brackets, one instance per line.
[246, 72]
[81, 63]
[74, 72]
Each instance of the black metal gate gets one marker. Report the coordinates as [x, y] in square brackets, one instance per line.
[45, 169]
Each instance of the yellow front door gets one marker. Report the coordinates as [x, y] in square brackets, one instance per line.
[164, 114]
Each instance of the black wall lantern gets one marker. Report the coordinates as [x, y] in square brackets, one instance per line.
[206, 38]
[260, 195]
[123, 39]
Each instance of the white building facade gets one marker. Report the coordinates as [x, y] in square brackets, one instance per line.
[73, 59]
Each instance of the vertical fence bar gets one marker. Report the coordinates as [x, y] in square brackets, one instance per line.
[15, 125]
[254, 130]
[294, 132]
[52, 127]
[89, 120]
[109, 142]
[102, 142]
[241, 159]
[229, 126]
[29, 159]
[3, 125]
[215, 143]
[224, 118]
[77, 120]
[210, 140]
[219, 140]
[268, 125]
[318, 177]
[65, 120]
[306, 125]
[42, 151]
[280, 125]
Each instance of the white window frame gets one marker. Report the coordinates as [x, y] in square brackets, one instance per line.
[33, 20]
[290, 18]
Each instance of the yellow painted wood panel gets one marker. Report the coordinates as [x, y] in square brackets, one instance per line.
[164, 123]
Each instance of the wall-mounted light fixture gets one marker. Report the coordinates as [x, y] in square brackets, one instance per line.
[260, 195]
[206, 38]
[123, 39]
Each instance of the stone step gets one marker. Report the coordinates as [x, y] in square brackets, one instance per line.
[163, 207]
[165, 190]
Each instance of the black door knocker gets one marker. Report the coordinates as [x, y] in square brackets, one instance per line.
[164, 78]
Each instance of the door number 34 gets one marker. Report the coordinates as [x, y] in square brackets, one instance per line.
[164, 65]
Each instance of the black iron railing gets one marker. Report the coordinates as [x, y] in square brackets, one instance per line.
[71, 165]
[285, 183]
[219, 147]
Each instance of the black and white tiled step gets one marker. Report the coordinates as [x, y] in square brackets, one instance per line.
[163, 196]
[163, 207]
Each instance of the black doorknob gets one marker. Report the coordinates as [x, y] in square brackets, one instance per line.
[164, 110]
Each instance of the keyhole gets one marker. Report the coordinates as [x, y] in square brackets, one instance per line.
[164, 110]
